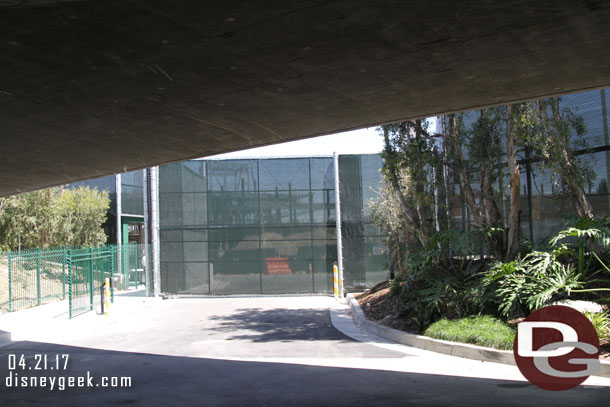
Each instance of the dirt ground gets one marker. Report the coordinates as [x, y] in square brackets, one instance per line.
[383, 308]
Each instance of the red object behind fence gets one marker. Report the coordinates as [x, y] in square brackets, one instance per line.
[277, 265]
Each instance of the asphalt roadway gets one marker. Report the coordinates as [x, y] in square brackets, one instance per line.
[271, 351]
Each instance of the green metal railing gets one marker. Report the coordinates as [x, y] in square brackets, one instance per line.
[37, 276]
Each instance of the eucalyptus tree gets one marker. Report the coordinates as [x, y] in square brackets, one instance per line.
[411, 166]
[482, 145]
[557, 131]
[513, 220]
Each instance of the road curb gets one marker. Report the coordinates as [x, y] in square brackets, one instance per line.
[435, 345]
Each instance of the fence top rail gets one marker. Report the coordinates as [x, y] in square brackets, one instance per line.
[32, 254]
[94, 256]
[18, 258]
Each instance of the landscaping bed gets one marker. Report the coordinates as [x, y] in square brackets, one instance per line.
[384, 308]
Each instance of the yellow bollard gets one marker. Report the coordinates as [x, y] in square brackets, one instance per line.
[106, 295]
[336, 281]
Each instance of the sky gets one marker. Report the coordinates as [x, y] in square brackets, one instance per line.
[363, 141]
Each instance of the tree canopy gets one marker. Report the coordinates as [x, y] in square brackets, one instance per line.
[53, 217]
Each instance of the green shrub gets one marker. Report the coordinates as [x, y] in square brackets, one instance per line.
[575, 262]
[53, 217]
[481, 330]
[444, 279]
[524, 285]
[440, 292]
[395, 287]
[601, 322]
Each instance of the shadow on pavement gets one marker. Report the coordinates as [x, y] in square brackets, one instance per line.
[167, 380]
[280, 325]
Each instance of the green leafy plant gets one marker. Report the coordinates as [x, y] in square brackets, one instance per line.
[395, 287]
[571, 264]
[583, 241]
[601, 322]
[530, 283]
[444, 278]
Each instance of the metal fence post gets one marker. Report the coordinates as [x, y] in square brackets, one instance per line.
[154, 205]
[63, 273]
[136, 253]
[10, 282]
[146, 260]
[38, 275]
[125, 265]
[119, 223]
[338, 223]
[91, 285]
[69, 264]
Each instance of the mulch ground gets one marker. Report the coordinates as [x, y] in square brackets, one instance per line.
[383, 308]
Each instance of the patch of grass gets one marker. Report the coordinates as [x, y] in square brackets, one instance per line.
[478, 330]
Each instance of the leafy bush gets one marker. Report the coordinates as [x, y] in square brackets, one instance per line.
[53, 217]
[481, 330]
[524, 285]
[601, 322]
[582, 242]
[575, 263]
[451, 278]
[445, 279]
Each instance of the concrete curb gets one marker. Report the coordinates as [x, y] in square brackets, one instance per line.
[462, 350]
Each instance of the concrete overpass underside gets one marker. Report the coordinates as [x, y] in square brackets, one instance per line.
[88, 88]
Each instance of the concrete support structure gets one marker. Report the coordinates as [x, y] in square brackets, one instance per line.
[191, 79]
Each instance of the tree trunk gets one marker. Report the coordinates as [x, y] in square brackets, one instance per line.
[419, 180]
[568, 171]
[492, 214]
[446, 176]
[461, 168]
[393, 175]
[512, 238]
[436, 209]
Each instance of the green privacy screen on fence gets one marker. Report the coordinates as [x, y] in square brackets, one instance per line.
[264, 226]
[35, 277]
